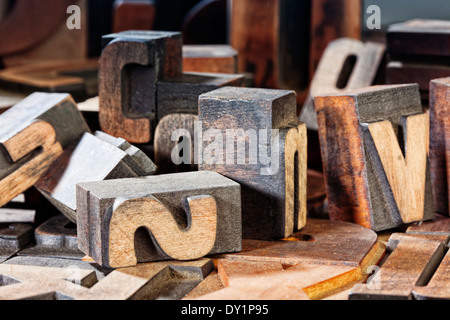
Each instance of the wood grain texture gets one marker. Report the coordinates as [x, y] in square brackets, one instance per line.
[104, 206]
[413, 261]
[13, 238]
[346, 64]
[131, 64]
[439, 143]
[156, 281]
[133, 15]
[258, 143]
[357, 185]
[210, 58]
[91, 159]
[171, 154]
[419, 37]
[321, 260]
[33, 134]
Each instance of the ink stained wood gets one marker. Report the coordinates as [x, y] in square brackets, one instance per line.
[33, 134]
[273, 178]
[13, 238]
[141, 80]
[359, 132]
[189, 215]
[91, 159]
[346, 64]
[153, 281]
[439, 146]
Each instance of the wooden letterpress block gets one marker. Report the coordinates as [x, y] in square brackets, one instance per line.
[210, 58]
[33, 134]
[174, 143]
[131, 64]
[346, 64]
[269, 161]
[419, 37]
[416, 268]
[189, 215]
[180, 93]
[133, 15]
[374, 144]
[13, 238]
[440, 143]
[91, 159]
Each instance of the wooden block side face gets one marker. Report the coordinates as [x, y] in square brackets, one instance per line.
[133, 16]
[439, 145]
[210, 58]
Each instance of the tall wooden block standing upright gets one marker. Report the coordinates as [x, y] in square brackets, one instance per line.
[33, 134]
[440, 143]
[141, 80]
[269, 161]
[374, 144]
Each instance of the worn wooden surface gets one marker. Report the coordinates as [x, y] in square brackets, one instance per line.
[360, 185]
[269, 37]
[331, 20]
[346, 64]
[55, 238]
[439, 143]
[77, 77]
[164, 280]
[13, 238]
[273, 178]
[133, 15]
[91, 159]
[319, 261]
[33, 135]
[174, 143]
[177, 201]
[419, 37]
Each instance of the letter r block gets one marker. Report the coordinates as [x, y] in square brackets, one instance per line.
[252, 136]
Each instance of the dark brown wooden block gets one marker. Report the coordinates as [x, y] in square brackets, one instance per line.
[33, 134]
[91, 159]
[374, 144]
[133, 15]
[419, 37]
[439, 143]
[141, 81]
[189, 215]
[346, 64]
[252, 136]
[210, 58]
[174, 143]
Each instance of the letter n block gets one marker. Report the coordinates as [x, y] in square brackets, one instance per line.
[440, 143]
[374, 144]
[33, 134]
[252, 136]
[183, 216]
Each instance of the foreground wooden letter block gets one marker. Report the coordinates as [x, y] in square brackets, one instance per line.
[141, 80]
[440, 143]
[374, 145]
[33, 134]
[252, 136]
[346, 64]
[189, 215]
[92, 159]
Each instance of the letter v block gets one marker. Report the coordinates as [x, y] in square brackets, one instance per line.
[375, 144]
[440, 143]
[33, 134]
[182, 216]
[252, 136]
